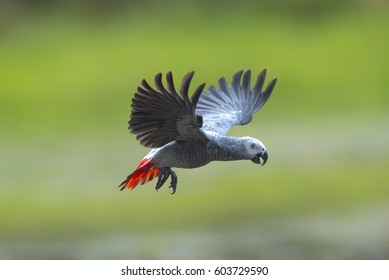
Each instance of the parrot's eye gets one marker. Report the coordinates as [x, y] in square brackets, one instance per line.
[252, 146]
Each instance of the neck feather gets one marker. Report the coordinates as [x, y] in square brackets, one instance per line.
[225, 148]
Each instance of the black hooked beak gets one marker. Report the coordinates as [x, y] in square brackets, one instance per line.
[257, 160]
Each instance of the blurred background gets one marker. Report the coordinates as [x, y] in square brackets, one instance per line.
[68, 70]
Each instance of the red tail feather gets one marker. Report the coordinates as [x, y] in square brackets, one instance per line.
[144, 172]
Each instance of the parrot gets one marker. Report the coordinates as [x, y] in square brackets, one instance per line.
[190, 132]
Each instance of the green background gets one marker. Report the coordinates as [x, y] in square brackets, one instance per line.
[68, 70]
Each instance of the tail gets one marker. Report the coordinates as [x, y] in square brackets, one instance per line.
[144, 172]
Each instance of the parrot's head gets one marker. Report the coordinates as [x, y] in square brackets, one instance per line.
[255, 150]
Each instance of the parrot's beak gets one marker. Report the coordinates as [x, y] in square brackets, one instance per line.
[257, 158]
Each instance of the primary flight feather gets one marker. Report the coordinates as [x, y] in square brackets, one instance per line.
[188, 132]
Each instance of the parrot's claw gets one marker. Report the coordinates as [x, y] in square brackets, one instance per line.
[164, 175]
[173, 183]
[161, 180]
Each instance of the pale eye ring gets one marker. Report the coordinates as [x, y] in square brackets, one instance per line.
[252, 146]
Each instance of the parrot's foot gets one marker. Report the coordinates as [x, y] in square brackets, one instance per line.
[164, 175]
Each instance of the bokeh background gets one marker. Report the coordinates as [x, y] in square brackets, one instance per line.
[68, 70]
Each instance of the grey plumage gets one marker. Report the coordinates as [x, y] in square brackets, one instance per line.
[226, 106]
[190, 132]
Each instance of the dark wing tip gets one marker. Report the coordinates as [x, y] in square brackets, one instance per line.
[159, 84]
[262, 75]
[186, 83]
[146, 86]
[271, 86]
[246, 81]
[257, 89]
[189, 75]
[196, 94]
[238, 75]
[158, 76]
[170, 82]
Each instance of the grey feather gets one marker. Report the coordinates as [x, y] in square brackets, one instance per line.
[193, 154]
[226, 106]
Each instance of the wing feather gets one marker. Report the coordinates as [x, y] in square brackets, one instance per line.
[235, 84]
[162, 115]
[226, 106]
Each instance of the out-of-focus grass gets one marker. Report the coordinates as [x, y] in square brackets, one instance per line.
[228, 199]
[336, 64]
[66, 85]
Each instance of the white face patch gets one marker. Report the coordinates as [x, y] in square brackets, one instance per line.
[254, 146]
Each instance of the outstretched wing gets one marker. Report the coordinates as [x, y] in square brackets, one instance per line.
[161, 115]
[226, 106]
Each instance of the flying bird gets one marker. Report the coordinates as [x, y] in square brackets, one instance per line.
[188, 132]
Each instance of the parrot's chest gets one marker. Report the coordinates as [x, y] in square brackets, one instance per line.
[181, 154]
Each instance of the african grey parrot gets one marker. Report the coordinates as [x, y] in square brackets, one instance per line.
[188, 132]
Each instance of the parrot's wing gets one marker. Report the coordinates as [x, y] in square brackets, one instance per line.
[226, 106]
[162, 115]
